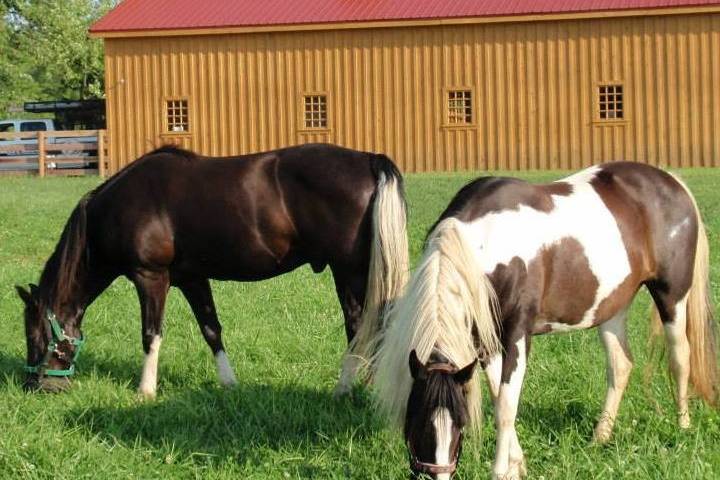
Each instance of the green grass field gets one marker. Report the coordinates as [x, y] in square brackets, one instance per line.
[285, 338]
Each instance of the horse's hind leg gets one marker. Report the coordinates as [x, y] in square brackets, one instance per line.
[619, 364]
[351, 293]
[673, 313]
[199, 296]
[152, 288]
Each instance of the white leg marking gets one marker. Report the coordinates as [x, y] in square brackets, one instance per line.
[677, 342]
[443, 430]
[506, 465]
[225, 371]
[493, 371]
[619, 365]
[350, 366]
[148, 381]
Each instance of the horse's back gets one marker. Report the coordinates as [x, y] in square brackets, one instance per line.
[262, 214]
[580, 246]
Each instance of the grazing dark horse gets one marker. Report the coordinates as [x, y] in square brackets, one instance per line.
[508, 260]
[173, 218]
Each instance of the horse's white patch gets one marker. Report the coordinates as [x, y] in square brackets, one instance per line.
[676, 229]
[499, 237]
[443, 431]
[225, 371]
[677, 342]
[148, 381]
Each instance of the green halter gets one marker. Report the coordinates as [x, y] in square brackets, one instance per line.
[58, 335]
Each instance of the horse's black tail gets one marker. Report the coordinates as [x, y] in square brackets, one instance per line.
[388, 270]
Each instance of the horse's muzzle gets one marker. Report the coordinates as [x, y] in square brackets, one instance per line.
[45, 384]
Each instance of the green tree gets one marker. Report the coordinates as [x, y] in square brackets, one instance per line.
[45, 52]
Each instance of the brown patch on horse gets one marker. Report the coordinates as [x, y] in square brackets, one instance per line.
[154, 243]
[631, 218]
[569, 285]
[561, 189]
[617, 300]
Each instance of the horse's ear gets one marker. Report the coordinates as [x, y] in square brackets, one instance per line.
[34, 290]
[25, 295]
[464, 375]
[417, 369]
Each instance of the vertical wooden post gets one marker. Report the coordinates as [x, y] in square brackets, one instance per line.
[41, 153]
[101, 152]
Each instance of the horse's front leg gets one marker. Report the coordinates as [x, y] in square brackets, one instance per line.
[152, 288]
[509, 459]
[493, 371]
[199, 295]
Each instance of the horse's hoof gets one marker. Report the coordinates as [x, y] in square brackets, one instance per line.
[46, 384]
[342, 391]
[511, 474]
[603, 432]
[146, 395]
[684, 420]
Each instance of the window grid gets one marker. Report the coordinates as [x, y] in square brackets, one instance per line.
[611, 102]
[177, 116]
[316, 111]
[459, 107]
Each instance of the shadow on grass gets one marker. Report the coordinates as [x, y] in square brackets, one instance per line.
[241, 423]
[559, 420]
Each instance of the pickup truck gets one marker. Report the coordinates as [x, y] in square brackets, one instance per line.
[28, 147]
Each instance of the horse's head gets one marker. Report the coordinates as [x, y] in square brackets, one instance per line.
[51, 351]
[437, 412]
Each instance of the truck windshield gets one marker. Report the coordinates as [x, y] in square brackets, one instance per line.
[33, 127]
[7, 127]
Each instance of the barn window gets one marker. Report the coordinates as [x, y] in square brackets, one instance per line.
[460, 107]
[177, 115]
[315, 108]
[610, 101]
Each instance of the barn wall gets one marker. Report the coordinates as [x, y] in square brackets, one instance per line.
[534, 92]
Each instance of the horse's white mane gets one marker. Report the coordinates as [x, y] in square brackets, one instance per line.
[448, 294]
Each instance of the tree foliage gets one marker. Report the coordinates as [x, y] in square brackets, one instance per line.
[45, 52]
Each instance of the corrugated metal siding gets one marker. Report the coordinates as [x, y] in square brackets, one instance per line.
[533, 85]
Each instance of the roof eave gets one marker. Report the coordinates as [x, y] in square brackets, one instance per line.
[403, 23]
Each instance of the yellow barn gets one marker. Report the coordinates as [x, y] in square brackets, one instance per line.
[434, 84]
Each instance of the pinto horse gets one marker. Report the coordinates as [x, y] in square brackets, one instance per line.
[173, 218]
[508, 260]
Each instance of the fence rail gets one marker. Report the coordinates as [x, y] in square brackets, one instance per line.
[56, 153]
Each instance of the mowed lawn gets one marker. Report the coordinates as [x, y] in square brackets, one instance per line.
[285, 338]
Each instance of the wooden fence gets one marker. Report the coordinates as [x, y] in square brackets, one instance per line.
[56, 153]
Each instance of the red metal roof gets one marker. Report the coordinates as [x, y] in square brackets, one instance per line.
[138, 15]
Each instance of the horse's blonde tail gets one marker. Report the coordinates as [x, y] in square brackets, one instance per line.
[387, 274]
[700, 320]
[450, 306]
